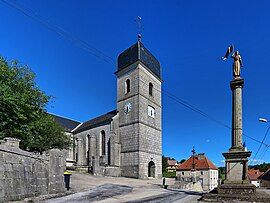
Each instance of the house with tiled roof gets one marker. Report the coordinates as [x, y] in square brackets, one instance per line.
[265, 179]
[198, 168]
[253, 175]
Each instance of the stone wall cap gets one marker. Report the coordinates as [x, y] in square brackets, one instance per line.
[11, 138]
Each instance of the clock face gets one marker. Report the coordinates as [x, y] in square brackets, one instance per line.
[127, 107]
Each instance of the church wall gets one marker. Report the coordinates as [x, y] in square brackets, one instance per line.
[94, 148]
[128, 73]
[129, 138]
[147, 100]
[150, 140]
[144, 159]
[145, 78]
[150, 136]
[130, 164]
[140, 134]
[131, 97]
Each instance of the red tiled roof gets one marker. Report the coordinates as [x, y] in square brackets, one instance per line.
[201, 163]
[171, 162]
[253, 174]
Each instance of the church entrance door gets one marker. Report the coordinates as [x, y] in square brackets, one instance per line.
[151, 169]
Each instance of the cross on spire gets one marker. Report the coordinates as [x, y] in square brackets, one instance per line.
[140, 28]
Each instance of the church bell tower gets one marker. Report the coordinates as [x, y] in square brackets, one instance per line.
[140, 110]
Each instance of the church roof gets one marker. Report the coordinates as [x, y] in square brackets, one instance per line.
[138, 52]
[66, 123]
[201, 163]
[96, 122]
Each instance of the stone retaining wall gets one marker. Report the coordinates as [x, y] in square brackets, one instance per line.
[23, 174]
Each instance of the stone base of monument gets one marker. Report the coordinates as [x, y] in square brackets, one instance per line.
[239, 189]
[236, 192]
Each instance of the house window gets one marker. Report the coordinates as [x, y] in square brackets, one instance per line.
[102, 134]
[151, 89]
[127, 86]
[151, 111]
[201, 172]
[183, 173]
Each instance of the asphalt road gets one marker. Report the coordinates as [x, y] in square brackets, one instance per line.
[96, 194]
[103, 192]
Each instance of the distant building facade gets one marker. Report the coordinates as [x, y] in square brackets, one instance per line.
[128, 140]
[253, 177]
[198, 168]
[172, 164]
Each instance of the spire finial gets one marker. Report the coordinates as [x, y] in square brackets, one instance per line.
[140, 28]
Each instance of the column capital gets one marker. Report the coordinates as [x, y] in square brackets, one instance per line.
[237, 82]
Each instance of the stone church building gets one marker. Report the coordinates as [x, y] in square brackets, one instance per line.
[128, 140]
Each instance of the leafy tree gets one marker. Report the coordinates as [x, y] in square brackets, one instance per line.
[262, 167]
[23, 110]
[221, 172]
[164, 163]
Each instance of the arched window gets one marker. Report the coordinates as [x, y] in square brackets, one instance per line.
[151, 89]
[127, 86]
[102, 134]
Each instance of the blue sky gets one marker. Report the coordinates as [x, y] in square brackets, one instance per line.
[187, 37]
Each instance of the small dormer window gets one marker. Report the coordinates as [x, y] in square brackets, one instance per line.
[151, 89]
[127, 86]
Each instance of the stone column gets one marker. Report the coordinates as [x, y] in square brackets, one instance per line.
[80, 160]
[92, 150]
[236, 159]
[236, 87]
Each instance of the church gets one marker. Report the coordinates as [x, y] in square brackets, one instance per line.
[126, 141]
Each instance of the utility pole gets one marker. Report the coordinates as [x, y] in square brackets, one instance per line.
[193, 170]
[193, 158]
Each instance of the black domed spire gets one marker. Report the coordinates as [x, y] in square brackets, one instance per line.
[138, 52]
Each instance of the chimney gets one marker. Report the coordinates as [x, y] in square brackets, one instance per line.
[201, 156]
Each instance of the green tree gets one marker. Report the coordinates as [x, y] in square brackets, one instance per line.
[262, 167]
[23, 110]
[164, 163]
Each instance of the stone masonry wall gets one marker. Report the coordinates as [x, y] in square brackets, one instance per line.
[23, 174]
[140, 134]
